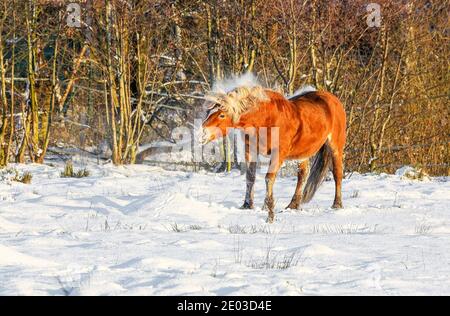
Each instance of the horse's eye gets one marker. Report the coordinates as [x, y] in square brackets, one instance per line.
[222, 116]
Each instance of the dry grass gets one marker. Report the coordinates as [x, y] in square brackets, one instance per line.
[12, 174]
[25, 178]
[423, 229]
[275, 261]
[355, 194]
[175, 227]
[69, 171]
[271, 260]
[344, 229]
[252, 229]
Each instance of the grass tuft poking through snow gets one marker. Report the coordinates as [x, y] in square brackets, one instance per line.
[250, 229]
[423, 229]
[25, 178]
[270, 260]
[345, 229]
[12, 174]
[177, 228]
[69, 171]
[274, 261]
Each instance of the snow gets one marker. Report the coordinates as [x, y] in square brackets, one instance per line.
[303, 90]
[226, 85]
[142, 230]
[408, 172]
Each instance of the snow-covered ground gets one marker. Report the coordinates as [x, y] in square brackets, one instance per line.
[140, 230]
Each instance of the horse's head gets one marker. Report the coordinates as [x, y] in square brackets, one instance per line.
[224, 110]
[216, 124]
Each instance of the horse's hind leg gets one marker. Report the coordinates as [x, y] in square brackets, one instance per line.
[337, 175]
[303, 172]
[250, 179]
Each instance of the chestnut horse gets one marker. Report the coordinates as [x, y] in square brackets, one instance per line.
[311, 129]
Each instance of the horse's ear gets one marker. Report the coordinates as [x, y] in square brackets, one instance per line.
[214, 97]
[212, 100]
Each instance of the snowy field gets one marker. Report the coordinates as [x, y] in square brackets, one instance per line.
[140, 230]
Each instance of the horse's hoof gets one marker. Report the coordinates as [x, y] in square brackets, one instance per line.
[292, 206]
[246, 206]
[337, 206]
[270, 219]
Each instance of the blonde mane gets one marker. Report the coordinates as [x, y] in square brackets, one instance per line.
[238, 101]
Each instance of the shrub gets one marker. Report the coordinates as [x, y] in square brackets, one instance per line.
[12, 174]
[69, 171]
[25, 178]
[412, 173]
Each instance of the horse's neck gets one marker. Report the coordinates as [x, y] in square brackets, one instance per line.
[265, 115]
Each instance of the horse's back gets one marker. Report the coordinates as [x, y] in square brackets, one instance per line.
[321, 98]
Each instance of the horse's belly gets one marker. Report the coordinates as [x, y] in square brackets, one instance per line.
[298, 156]
[304, 149]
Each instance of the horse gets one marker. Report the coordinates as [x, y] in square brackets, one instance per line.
[311, 128]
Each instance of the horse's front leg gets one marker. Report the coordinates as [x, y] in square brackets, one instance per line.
[269, 203]
[250, 179]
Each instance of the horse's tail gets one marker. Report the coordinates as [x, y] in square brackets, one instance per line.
[320, 165]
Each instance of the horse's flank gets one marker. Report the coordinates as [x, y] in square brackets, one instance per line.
[305, 122]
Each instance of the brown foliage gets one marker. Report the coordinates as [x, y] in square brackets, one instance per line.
[164, 55]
